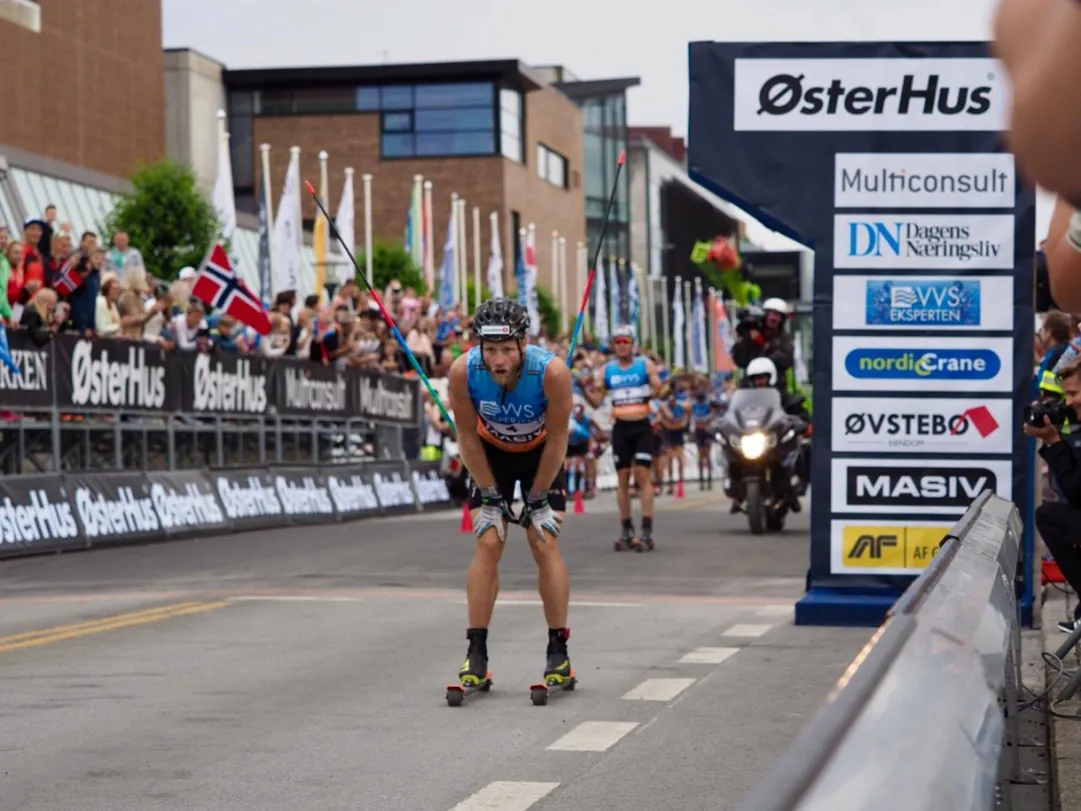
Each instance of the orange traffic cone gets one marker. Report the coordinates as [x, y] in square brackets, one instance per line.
[467, 519]
[679, 489]
[579, 504]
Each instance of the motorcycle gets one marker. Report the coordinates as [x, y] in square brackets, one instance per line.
[762, 449]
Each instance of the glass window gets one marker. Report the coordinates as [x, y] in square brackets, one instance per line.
[275, 102]
[595, 207]
[397, 122]
[542, 161]
[241, 103]
[455, 120]
[478, 94]
[367, 99]
[242, 150]
[593, 114]
[594, 169]
[455, 143]
[557, 170]
[510, 101]
[324, 100]
[397, 98]
[619, 112]
[511, 147]
[397, 145]
[510, 124]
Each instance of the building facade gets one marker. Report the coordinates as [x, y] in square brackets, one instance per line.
[491, 132]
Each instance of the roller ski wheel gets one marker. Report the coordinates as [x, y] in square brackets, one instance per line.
[645, 543]
[628, 541]
[457, 693]
[539, 693]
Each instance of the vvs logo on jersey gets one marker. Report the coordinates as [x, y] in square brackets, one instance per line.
[916, 487]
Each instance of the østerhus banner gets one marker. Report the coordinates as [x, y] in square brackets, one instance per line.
[50, 513]
[887, 158]
[76, 374]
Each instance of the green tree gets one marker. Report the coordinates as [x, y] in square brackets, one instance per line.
[168, 218]
[549, 311]
[390, 260]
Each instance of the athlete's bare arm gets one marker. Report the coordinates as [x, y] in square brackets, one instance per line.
[594, 395]
[465, 414]
[559, 390]
[654, 378]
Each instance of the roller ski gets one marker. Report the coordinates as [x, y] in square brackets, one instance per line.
[627, 540]
[558, 673]
[474, 676]
[646, 541]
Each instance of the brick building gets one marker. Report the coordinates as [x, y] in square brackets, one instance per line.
[83, 84]
[493, 132]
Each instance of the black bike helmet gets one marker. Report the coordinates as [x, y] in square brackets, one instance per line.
[501, 319]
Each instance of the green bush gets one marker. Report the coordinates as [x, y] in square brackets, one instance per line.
[167, 217]
[390, 261]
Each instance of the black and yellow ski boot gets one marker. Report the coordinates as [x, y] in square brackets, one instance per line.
[558, 673]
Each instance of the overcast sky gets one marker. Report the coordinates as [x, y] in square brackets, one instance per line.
[594, 38]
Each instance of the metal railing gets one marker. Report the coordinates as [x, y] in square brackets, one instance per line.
[927, 717]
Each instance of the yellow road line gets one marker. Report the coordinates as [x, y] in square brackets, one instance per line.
[59, 633]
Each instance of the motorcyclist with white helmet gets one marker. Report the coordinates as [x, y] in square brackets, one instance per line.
[762, 334]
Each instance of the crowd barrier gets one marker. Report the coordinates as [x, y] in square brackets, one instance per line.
[74, 374]
[926, 717]
[60, 512]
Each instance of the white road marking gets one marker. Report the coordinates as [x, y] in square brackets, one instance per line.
[505, 795]
[776, 611]
[593, 736]
[574, 604]
[708, 656]
[658, 689]
[747, 631]
[295, 598]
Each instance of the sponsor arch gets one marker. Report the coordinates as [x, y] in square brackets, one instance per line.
[932, 229]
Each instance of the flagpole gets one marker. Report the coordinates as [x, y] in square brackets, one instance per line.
[555, 268]
[493, 220]
[687, 320]
[264, 149]
[462, 256]
[664, 321]
[563, 285]
[416, 205]
[321, 262]
[452, 223]
[476, 258]
[367, 178]
[350, 274]
[429, 239]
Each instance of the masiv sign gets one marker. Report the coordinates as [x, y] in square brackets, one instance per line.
[75, 374]
[886, 159]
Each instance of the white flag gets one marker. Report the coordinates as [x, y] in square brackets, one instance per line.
[532, 300]
[345, 222]
[699, 352]
[225, 209]
[495, 266]
[289, 232]
[678, 358]
[600, 318]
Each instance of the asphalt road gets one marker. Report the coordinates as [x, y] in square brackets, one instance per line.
[306, 669]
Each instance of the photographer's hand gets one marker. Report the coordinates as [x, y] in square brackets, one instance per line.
[1047, 433]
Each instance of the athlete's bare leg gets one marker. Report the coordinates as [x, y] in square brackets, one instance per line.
[554, 582]
[623, 494]
[645, 489]
[482, 581]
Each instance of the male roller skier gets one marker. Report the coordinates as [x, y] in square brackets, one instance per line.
[632, 380]
[513, 406]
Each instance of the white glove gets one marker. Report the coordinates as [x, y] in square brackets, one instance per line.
[539, 514]
[493, 512]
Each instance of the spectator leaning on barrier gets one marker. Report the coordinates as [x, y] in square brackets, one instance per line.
[1059, 522]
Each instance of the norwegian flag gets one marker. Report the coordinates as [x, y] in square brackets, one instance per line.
[218, 285]
[69, 279]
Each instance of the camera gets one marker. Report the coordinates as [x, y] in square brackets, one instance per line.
[751, 318]
[1055, 410]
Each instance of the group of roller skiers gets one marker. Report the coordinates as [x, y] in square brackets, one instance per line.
[519, 427]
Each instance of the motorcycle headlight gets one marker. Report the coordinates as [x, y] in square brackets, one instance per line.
[753, 445]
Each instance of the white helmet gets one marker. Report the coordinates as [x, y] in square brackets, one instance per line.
[778, 305]
[624, 331]
[762, 366]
